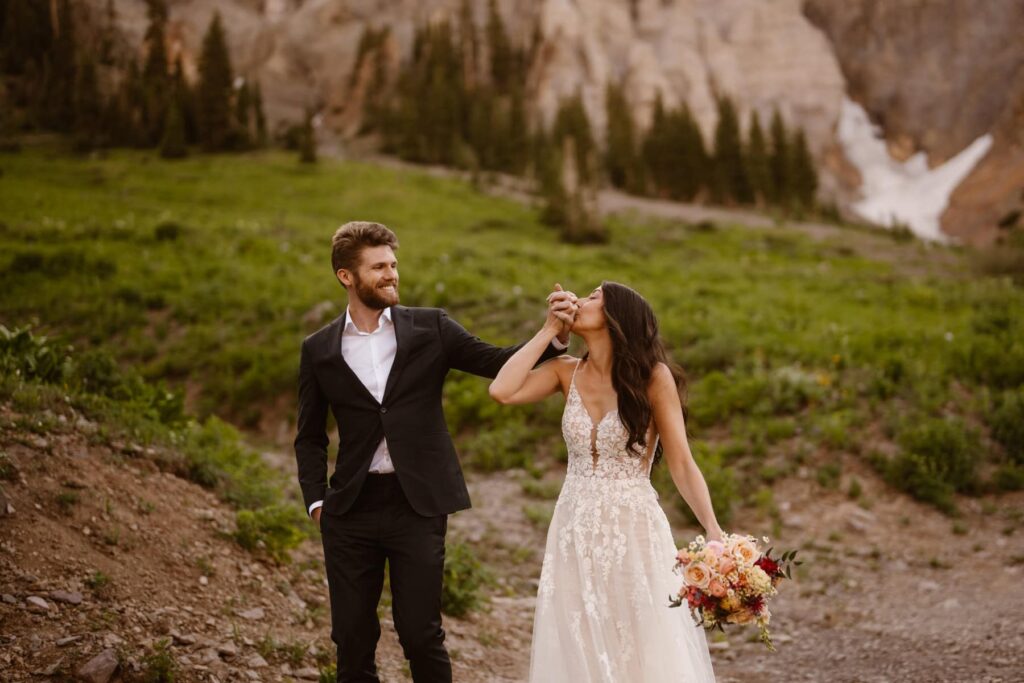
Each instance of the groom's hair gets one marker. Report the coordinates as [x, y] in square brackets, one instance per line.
[350, 239]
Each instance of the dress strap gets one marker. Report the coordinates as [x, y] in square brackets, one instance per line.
[573, 380]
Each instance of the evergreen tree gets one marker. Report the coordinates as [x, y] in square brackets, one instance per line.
[469, 42]
[26, 37]
[243, 120]
[731, 184]
[571, 122]
[518, 135]
[258, 115]
[621, 161]
[779, 161]
[688, 165]
[214, 93]
[307, 141]
[56, 109]
[654, 151]
[502, 54]
[805, 178]
[172, 146]
[758, 168]
[184, 100]
[88, 106]
[155, 75]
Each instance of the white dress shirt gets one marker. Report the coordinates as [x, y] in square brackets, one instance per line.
[371, 355]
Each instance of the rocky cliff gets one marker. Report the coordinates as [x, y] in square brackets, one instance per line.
[934, 74]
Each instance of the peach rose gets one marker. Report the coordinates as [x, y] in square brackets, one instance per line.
[744, 550]
[726, 565]
[716, 588]
[697, 574]
[683, 557]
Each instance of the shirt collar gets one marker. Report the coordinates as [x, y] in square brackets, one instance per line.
[351, 326]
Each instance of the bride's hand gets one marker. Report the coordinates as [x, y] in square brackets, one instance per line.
[562, 309]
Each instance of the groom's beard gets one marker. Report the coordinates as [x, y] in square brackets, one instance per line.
[376, 296]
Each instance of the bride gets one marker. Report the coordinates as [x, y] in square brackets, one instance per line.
[602, 603]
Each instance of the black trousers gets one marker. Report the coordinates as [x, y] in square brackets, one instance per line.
[381, 525]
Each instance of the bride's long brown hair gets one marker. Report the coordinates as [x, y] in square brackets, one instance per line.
[637, 348]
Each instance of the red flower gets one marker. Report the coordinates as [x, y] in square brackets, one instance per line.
[770, 566]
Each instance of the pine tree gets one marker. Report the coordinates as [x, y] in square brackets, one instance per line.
[518, 132]
[307, 141]
[214, 96]
[469, 43]
[620, 156]
[56, 109]
[26, 37]
[258, 115]
[571, 122]
[185, 101]
[731, 184]
[654, 150]
[758, 168]
[155, 76]
[88, 106]
[502, 54]
[805, 178]
[688, 165]
[172, 146]
[243, 120]
[779, 161]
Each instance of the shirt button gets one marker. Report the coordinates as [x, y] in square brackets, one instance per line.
[383, 410]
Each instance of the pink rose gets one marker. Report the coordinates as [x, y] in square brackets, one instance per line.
[716, 547]
[726, 565]
[716, 588]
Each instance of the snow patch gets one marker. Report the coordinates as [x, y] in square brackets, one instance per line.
[908, 192]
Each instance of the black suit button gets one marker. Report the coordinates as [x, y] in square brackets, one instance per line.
[383, 410]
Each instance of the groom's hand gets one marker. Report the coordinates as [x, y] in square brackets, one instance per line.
[316, 517]
[562, 306]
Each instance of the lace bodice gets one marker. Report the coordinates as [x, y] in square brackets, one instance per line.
[599, 450]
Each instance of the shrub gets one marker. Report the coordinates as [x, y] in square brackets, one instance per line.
[1007, 423]
[996, 361]
[464, 576]
[32, 358]
[217, 458]
[938, 459]
[274, 529]
[159, 666]
[167, 231]
[501, 447]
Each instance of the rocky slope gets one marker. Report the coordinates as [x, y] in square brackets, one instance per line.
[103, 556]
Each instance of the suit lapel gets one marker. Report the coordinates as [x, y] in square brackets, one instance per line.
[402, 320]
[334, 342]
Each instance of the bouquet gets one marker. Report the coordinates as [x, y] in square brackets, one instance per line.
[730, 582]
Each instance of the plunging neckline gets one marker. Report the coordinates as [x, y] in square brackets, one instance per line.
[579, 397]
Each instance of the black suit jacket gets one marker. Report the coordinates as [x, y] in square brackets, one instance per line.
[409, 416]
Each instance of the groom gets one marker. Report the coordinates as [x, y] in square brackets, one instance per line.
[380, 368]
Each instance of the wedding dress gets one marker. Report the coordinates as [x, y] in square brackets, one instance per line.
[602, 602]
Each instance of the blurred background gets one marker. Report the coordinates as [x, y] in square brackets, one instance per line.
[822, 200]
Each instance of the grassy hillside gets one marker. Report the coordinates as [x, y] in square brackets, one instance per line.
[208, 272]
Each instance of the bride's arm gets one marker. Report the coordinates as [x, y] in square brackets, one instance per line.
[518, 381]
[668, 418]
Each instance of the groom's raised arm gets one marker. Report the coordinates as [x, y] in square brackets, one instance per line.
[311, 439]
[471, 354]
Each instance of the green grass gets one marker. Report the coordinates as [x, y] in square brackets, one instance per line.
[200, 273]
